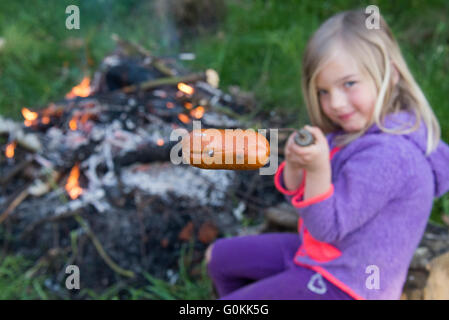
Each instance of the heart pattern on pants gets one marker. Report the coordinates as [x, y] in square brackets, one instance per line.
[316, 284]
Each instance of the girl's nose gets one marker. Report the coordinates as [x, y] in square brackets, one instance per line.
[338, 100]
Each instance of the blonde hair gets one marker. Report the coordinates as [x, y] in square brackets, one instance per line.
[374, 50]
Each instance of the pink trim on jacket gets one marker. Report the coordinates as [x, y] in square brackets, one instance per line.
[297, 203]
[278, 186]
[316, 250]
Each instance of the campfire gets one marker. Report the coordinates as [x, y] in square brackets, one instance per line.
[88, 180]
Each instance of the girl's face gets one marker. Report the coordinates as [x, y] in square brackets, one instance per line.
[346, 95]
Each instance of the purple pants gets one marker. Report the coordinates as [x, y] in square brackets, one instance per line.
[261, 267]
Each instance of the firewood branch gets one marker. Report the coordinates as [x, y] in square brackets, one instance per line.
[83, 223]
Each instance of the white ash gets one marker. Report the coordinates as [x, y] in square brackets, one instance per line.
[219, 120]
[156, 131]
[107, 154]
[111, 61]
[38, 188]
[69, 207]
[8, 125]
[91, 164]
[159, 93]
[94, 197]
[28, 140]
[238, 212]
[115, 137]
[103, 155]
[160, 178]
[15, 132]
[56, 138]
[75, 139]
[97, 133]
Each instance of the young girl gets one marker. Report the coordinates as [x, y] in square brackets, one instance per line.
[363, 192]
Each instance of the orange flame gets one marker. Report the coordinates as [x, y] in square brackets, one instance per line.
[72, 186]
[85, 117]
[28, 114]
[81, 90]
[160, 142]
[188, 105]
[9, 152]
[46, 120]
[185, 88]
[73, 124]
[197, 113]
[184, 118]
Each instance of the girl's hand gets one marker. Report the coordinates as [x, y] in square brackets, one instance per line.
[312, 158]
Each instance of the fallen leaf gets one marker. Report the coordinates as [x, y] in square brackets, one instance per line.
[186, 232]
[208, 232]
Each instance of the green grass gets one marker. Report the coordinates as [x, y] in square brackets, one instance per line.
[186, 286]
[41, 60]
[15, 285]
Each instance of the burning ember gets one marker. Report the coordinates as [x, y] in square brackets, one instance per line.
[72, 187]
[81, 90]
[73, 124]
[46, 120]
[10, 150]
[197, 113]
[29, 116]
[183, 118]
[185, 88]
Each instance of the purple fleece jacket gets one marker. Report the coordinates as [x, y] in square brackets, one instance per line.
[384, 187]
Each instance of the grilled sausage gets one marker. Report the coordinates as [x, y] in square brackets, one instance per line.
[231, 149]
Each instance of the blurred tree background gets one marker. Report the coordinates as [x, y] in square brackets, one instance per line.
[254, 44]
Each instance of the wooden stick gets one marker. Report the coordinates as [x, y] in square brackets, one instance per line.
[126, 44]
[164, 81]
[14, 171]
[56, 218]
[18, 200]
[101, 251]
[45, 260]
[156, 62]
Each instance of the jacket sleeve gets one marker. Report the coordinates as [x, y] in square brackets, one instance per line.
[366, 182]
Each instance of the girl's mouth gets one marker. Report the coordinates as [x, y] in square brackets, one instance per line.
[345, 117]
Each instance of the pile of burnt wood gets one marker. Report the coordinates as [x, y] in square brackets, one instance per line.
[88, 180]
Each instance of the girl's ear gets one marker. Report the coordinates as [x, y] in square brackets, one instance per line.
[394, 73]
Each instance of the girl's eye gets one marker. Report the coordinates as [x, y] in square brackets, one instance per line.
[349, 84]
[321, 92]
